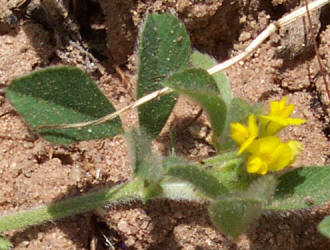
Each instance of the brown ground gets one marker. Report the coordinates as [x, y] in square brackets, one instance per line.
[33, 172]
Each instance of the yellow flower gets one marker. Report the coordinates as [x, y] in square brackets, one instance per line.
[243, 135]
[278, 118]
[265, 151]
[270, 154]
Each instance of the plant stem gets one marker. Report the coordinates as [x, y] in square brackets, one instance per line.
[115, 195]
[123, 193]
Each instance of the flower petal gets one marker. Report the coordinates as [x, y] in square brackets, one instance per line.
[280, 158]
[256, 165]
[277, 119]
[296, 148]
[245, 145]
[264, 146]
[252, 126]
[273, 124]
[239, 132]
[287, 111]
[243, 135]
[295, 121]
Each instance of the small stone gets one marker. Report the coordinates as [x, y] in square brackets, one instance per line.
[130, 242]
[178, 214]
[127, 228]
[75, 174]
[244, 36]
[25, 243]
[145, 224]
[123, 226]
[92, 172]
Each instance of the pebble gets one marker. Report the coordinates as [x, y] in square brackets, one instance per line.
[244, 36]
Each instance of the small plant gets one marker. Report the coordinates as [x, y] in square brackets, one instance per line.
[244, 179]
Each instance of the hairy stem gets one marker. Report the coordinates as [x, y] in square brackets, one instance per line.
[121, 194]
[84, 203]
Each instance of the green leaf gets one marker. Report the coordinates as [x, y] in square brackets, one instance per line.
[201, 87]
[234, 213]
[164, 48]
[193, 79]
[205, 61]
[5, 244]
[146, 164]
[324, 227]
[302, 188]
[62, 95]
[203, 181]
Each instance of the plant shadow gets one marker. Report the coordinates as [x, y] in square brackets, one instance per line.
[288, 183]
[187, 137]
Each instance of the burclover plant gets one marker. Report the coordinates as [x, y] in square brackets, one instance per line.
[244, 179]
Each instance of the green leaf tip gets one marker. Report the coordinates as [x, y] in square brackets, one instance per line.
[5, 244]
[62, 95]
[205, 62]
[234, 213]
[324, 227]
[164, 48]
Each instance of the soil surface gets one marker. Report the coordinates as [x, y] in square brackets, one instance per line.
[100, 38]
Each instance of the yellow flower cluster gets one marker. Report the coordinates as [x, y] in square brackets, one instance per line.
[266, 151]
